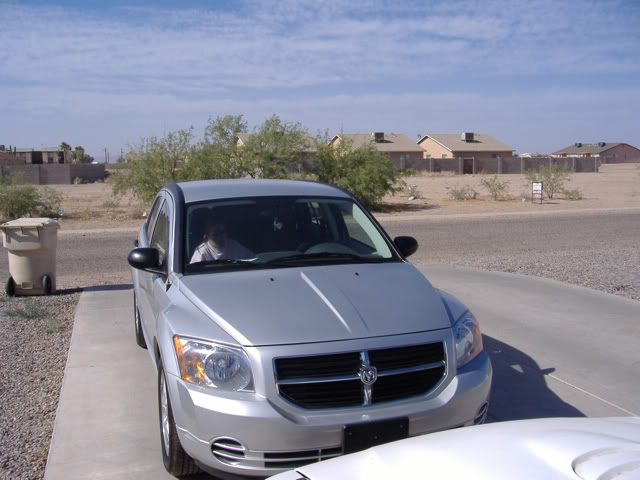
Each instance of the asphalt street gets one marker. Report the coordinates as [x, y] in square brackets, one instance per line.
[86, 259]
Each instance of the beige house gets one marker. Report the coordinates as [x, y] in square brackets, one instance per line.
[473, 149]
[616, 152]
[402, 151]
[40, 156]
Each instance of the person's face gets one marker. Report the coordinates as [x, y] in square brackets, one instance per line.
[217, 234]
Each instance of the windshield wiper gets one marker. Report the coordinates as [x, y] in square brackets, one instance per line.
[331, 256]
[225, 261]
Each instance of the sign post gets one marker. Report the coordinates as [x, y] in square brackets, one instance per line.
[536, 190]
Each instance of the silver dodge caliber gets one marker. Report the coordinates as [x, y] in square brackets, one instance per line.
[286, 328]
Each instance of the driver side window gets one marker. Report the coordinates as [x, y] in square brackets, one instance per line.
[160, 239]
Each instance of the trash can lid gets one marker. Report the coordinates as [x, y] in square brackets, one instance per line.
[32, 222]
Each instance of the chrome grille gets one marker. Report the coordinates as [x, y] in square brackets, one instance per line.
[333, 381]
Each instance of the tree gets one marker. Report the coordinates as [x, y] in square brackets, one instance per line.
[216, 156]
[79, 156]
[364, 171]
[157, 161]
[64, 146]
[552, 177]
[274, 150]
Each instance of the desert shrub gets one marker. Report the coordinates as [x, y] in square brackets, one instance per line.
[409, 172]
[496, 188]
[364, 171]
[553, 177]
[17, 200]
[50, 202]
[78, 181]
[413, 193]
[461, 193]
[575, 194]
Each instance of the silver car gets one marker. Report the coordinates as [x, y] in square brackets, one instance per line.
[286, 327]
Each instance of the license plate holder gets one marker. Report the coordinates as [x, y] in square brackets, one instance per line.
[361, 436]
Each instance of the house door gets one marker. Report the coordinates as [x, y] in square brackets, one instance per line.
[467, 166]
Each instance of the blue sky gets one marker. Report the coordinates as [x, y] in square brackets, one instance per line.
[539, 75]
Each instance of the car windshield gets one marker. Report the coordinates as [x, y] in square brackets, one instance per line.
[264, 232]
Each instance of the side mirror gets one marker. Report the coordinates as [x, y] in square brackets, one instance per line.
[145, 259]
[406, 245]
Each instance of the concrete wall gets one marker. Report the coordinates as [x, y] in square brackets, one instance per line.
[413, 160]
[56, 173]
[508, 165]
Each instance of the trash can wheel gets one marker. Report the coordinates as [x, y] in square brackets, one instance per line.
[10, 287]
[46, 284]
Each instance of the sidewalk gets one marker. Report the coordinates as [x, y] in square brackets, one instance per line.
[107, 420]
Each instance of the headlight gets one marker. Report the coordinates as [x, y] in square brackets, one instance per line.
[467, 338]
[211, 365]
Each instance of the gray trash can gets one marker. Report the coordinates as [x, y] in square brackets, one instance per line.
[32, 255]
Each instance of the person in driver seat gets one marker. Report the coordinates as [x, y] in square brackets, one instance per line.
[216, 245]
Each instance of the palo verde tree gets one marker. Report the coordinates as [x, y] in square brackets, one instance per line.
[274, 150]
[153, 163]
[364, 171]
[216, 156]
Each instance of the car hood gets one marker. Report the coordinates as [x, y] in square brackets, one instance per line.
[319, 303]
[555, 448]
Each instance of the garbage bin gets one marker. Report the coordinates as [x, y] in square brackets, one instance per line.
[32, 255]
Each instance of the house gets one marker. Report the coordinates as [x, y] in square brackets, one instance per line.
[402, 151]
[8, 157]
[613, 152]
[475, 151]
[39, 156]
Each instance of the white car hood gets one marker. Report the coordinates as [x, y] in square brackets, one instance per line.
[554, 448]
[318, 304]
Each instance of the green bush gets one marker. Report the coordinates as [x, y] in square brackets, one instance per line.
[17, 200]
[461, 193]
[496, 188]
[364, 171]
[553, 177]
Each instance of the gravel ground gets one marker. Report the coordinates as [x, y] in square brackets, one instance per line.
[34, 340]
[616, 272]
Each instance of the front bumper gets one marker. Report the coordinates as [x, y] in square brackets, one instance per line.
[250, 434]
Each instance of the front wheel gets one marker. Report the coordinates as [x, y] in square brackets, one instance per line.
[175, 459]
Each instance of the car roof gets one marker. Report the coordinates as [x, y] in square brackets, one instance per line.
[216, 189]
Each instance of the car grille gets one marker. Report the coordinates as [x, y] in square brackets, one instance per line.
[333, 381]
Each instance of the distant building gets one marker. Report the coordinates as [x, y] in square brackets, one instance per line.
[613, 152]
[402, 151]
[40, 156]
[464, 145]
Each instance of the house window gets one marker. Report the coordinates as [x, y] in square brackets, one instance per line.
[494, 155]
[444, 155]
[50, 157]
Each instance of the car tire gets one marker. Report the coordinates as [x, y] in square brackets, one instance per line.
[175, 459]
[137, 324]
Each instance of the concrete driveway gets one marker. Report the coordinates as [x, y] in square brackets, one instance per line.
[557, 350]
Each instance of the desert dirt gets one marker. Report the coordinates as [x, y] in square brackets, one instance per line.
[93, 206]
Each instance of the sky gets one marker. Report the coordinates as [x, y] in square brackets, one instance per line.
[539, 74]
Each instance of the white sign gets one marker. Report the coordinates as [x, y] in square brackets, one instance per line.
[537, 188]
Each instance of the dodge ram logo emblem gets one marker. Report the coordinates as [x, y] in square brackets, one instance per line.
[368, 375]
